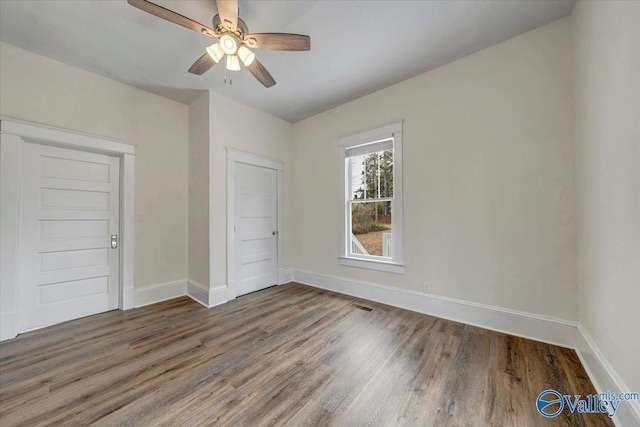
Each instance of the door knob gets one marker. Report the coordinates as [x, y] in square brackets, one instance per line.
[274, 233]
[114, 241]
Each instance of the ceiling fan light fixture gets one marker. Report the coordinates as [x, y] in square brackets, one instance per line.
[246, 56]
[235, 41]
[232, 63]
[215, 52]
[228, 44]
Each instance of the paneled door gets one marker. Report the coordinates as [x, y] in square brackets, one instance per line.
[70, 230]
[256, 234]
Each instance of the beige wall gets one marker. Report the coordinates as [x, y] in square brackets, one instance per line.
[607, 91]
[489, 172]
[198, 256]
[241, 127]
[488, 177]
[37, 89]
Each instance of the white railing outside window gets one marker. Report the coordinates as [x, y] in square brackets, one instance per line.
[387, 244]
[356, 246]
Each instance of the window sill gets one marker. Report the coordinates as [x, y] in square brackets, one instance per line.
[389, 267]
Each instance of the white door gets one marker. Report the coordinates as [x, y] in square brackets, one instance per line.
[256, 244]
[70, 210]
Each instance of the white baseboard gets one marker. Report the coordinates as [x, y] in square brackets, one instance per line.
[159, 292]
[8, 326]
[198, 292]
[218, 296]
[128, 298]
[527, 325]
[194, 290]
[285, 276]
[145, 296]
[605, 378]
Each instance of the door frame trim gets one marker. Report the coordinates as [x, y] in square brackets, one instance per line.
[233, 157]
[14, 134]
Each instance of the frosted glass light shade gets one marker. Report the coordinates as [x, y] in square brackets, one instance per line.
[228, 44]
[246, 56]
[215, 52]
[232, 63]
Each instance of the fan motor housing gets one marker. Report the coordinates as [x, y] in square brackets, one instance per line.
[217, 25]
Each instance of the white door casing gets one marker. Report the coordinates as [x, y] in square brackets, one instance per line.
[256, 228]
[235, 159]
[70, 210]
[14, 136]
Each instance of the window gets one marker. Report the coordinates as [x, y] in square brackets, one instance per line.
[371, 229]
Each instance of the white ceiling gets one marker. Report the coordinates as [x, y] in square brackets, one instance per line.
[357, 47]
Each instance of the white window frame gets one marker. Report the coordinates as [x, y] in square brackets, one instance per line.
[396, 264]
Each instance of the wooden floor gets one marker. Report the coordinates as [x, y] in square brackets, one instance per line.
[288, 355]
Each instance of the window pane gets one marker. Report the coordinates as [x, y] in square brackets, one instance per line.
[372, 175]
[371, 229]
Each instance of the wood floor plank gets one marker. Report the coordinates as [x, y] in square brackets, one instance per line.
[422, 397]
[310, 415]
[289, 355]
[464, 393]
[545, 371]
[580, 381]
[380, 401]
[507, 382]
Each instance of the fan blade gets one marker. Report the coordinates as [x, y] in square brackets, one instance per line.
[228, 11]
[171, 16]
[261, 73]
[202, 65]
[278, 41]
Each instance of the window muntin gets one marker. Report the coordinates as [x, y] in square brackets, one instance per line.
[370, 199]
[365, 195]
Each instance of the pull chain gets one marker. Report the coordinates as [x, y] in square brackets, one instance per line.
[225, 77]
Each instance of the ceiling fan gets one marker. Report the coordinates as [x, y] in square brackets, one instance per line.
[235, 40]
